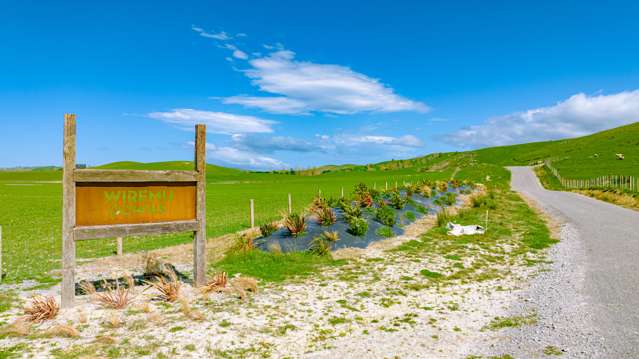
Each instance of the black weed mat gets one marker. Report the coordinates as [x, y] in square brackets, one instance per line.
[138, 280]
[419, 206]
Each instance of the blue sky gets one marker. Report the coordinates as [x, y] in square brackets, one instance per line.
[300, 83]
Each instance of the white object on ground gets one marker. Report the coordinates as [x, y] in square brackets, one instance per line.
[455, 229]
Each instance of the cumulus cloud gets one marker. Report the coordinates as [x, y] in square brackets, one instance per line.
[235, 157]
[216, 122]
[242, 158]
[302, 87]
[403, 141]
[579, 115]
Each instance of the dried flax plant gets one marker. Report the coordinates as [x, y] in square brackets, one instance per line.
[168, 289]
[113, 298]
[217, 284]
[41, 308]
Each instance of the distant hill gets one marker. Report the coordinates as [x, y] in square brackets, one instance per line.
[581, 157]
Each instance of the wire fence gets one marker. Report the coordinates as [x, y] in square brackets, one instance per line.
[619, 182]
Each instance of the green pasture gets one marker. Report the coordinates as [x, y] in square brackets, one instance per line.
[30, 210]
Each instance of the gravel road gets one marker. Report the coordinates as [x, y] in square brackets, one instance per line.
[588, 302]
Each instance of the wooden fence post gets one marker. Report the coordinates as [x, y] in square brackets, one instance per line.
[67, 288]
[199, 242]
[0, 253]
[251, 205]
[119, 246]
[290, 204]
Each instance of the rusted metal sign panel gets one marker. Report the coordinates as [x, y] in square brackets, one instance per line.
[135, 202]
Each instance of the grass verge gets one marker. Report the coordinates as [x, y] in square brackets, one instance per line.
[273, 267]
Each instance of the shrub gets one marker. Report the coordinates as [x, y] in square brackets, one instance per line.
[426, 191]
[41, 308]
[357, 226]
[443, 217]
[295, 224]
[410, 216]
[447, 199]
[352, 212]
[421, 209]
[330, 236]
[319, 246]
[385, 232]
[455, 183]
[397, 200]
[385, 215]
[318, 204]
[326, 216]
[442, 186]
[243, 243]
[217, 284]
[267, 229]
[487, 200]
[365, 200]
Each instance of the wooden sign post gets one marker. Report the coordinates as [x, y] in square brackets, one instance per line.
[120, 203]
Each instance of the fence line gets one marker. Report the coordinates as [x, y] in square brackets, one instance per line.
[623, 183]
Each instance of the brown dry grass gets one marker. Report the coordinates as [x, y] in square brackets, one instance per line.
[113, 298]
[217, 284]
[245, 284]
[19, 328]
[41, 308]
[113, 320]
[620, 199]
[189, 312]
[63, 331]
[168, 289]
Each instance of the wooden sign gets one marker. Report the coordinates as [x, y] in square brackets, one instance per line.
[119, 203]
[128, 203]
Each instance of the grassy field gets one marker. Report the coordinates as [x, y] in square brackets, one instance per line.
[30, 214]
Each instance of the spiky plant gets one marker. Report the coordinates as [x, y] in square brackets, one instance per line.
[266, 229]
[331, 236]
[117, 297]
[319, 246]
[217, 284]
[295, 224]
[168, 287]
[326, 216]
[365, 200]
[243, 243]
[318, 204]
[41, 308]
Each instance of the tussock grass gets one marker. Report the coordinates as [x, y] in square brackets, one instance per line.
[168, 288]
[41, 308]
[117, 297]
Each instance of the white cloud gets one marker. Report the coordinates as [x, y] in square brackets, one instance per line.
[304, 87]
[222, 36]
[403, 141]
[579, 115]
[279, 105]
[269, 144]
[242, 158]
[239, 54]
[216, 122]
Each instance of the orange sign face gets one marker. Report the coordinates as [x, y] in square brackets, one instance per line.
[131, 203]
